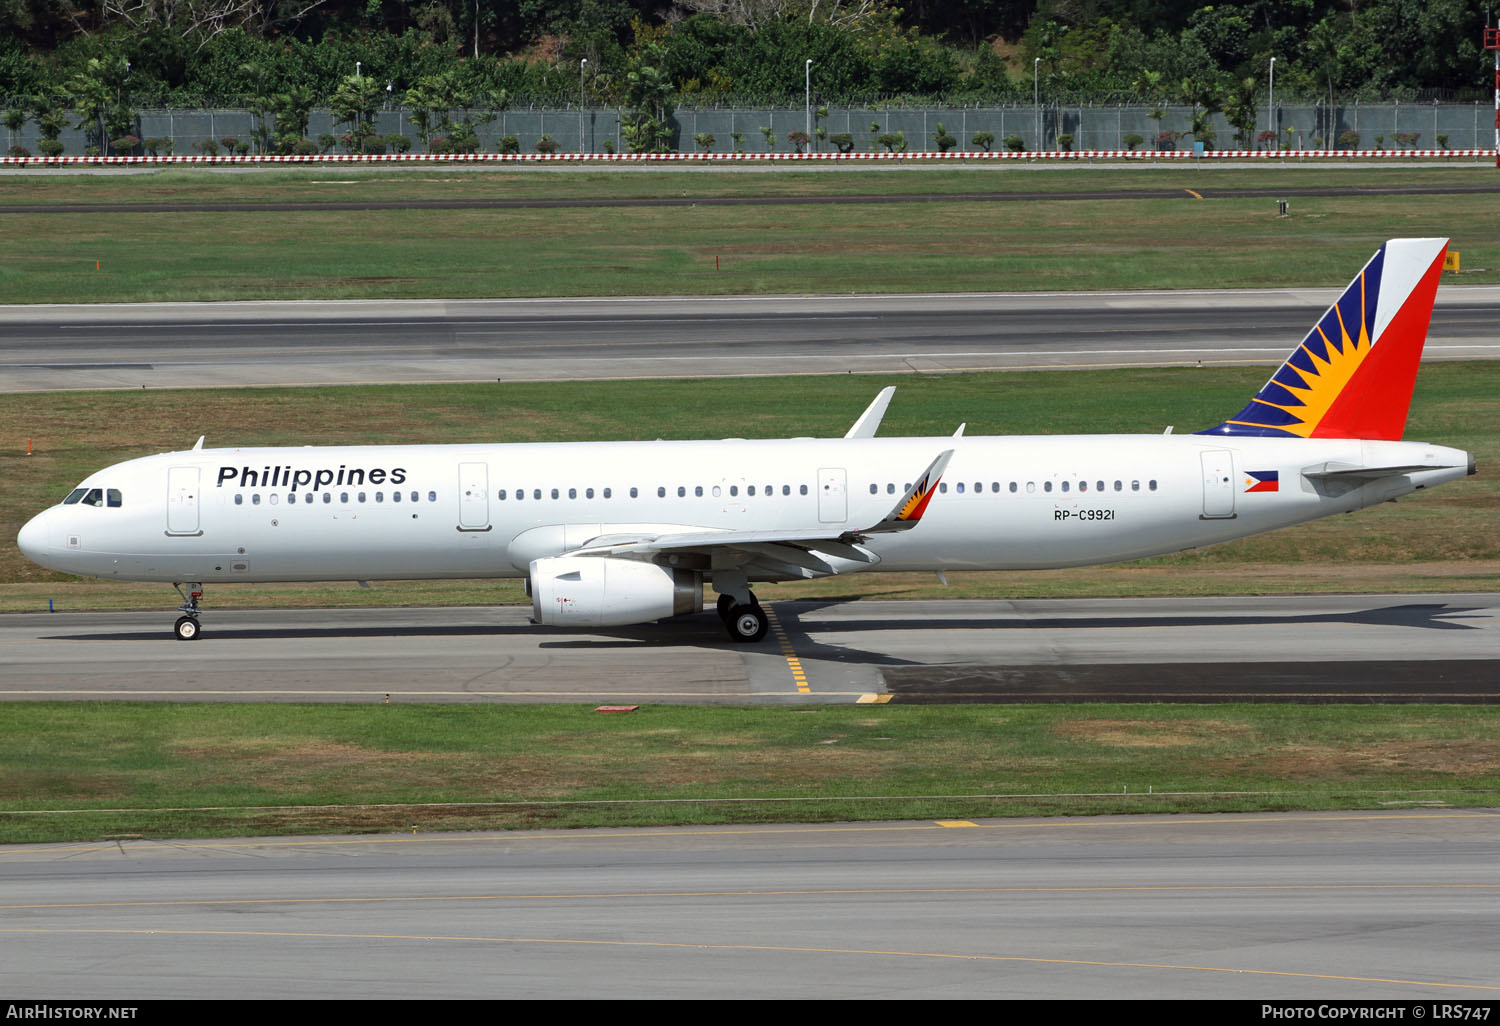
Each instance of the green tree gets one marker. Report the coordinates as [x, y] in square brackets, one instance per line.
[649, 95]
[354, 104]
[15, 120]
[98, 93]
[1241, 111]
[1203, 96]
[292, 110]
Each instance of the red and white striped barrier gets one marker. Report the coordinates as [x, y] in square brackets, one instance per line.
[719, 158]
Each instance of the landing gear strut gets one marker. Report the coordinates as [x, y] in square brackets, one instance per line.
[186, 628]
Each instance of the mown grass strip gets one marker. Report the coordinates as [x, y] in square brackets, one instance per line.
[917, 246]
[159, 770]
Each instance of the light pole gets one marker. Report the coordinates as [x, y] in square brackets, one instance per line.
[807, 100]
[581, 66]
[1036, 103]
[1271, 108]
[356, 70]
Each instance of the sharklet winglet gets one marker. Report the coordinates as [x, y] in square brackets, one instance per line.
[909, 509]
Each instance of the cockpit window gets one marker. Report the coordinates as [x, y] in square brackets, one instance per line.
[113, 498]
[74, 496]
[95, 497]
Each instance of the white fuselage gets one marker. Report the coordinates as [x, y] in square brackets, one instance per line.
[451, 511]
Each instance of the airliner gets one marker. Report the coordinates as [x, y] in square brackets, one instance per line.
[615, 533]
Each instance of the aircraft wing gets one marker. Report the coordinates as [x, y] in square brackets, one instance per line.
[794, 553]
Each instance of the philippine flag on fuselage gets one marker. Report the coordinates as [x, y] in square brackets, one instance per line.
[1262, 481]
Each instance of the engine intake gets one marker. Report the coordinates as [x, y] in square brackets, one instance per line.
[602, 591]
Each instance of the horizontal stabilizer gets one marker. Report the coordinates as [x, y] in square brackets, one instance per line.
[1335, 471]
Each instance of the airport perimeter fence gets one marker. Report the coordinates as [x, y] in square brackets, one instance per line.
[1422, 127]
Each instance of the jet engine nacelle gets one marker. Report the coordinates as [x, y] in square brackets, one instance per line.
[602, 591]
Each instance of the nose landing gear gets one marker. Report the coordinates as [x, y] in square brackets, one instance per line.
[186, 628]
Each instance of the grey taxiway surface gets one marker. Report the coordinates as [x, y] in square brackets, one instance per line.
[1396, 906]
[1434, 648]
[225, 344]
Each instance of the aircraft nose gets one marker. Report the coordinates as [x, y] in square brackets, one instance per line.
[35, 539]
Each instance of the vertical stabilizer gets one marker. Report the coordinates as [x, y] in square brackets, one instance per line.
[1353, 374]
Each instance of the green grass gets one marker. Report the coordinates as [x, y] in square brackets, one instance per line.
[917, 246]
[220, 766]
[1442, 540]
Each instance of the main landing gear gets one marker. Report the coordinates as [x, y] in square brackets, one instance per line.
[745, 622]
[186, 628]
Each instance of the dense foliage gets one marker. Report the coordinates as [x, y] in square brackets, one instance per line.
[108, 54]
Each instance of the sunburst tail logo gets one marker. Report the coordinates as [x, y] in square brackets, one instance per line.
[1353, 374]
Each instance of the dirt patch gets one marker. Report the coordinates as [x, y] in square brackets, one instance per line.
[1150, 733]
[1459, 758]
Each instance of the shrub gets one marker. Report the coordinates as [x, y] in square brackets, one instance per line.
[50, 147]
[1166, 141]
[1133, 142]
[843, 142]
[1266, 140]
[229, 143]
[944, 141]
[609, 146]
[305, 147]
[1065, 142]
[126, 144]
[159, 146]
[92, 151]
[397, 143]
[894, 142]
[799, 139]
[1015, 143]
[984, 141]
[1349, 140]
[207, 147]
[1380, 142]
[1442, 140]
[739, 141]
[705, 141]
[19, 151]
[510, 144]
[326, 142]
[547, 144]
[372, 144]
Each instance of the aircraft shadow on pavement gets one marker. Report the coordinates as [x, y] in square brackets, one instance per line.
[800, 621]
